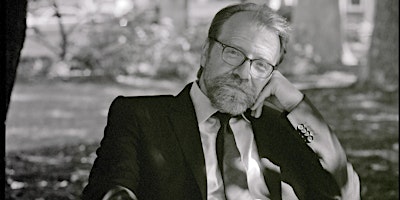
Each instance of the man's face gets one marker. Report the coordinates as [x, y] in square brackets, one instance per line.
[233, 89]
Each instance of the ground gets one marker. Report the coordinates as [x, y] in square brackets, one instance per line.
[54, 128]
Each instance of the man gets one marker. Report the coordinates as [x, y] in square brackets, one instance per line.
[275, 144]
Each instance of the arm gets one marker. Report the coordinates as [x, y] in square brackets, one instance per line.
[117, 158]
[328, 148]
[282, 94]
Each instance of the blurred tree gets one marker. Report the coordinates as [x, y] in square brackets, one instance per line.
[15, 37]
[63, 33]
[382, 67]
[40, 34]
[176, 11]
[317, 28]
[64, 42]
[281, 6]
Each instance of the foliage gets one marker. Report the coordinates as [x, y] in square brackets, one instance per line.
[28, 174]
[31, 69]
[134, 45]
[137, 44]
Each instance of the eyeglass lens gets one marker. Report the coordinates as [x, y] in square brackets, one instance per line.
[259, 68]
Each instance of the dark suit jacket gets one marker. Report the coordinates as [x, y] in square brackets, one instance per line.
[152, 146]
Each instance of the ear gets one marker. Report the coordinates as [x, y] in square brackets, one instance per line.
[282, 50]
[204, 53]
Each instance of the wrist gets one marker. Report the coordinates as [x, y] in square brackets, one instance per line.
[292, 107]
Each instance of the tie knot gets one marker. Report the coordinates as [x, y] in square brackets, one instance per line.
[223, 117]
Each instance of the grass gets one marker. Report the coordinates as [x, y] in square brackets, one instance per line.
[367, 126]
[53, 129]
[60, 112]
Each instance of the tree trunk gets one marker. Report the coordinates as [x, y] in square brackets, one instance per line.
[15, 37]
[63, 33]
[383, 55]
[317, 25]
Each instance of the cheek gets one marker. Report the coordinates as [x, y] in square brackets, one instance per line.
[215, 68]
[210, 72]
[215, 65]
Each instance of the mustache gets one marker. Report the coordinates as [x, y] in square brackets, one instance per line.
[230, 93]
[233, 80]
[235, 83]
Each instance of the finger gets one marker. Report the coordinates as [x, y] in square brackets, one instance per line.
[256, 113]
[253, 113]
[265, 93]
[274, 101]
[270, 165]
[259, 111]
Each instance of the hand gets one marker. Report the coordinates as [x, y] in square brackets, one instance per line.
[120, 196]
[119, 193]
[280, 92]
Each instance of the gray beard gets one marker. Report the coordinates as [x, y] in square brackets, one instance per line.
[230, 94]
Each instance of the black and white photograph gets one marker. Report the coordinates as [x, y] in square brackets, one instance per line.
[201, 100]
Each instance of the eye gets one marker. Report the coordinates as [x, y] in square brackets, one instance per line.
[262, 65]
[233, 53]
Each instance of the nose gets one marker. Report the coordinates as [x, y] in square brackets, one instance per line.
[243, 70]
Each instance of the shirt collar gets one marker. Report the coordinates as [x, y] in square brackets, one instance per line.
[202, 104]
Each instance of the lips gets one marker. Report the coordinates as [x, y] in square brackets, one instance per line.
[244, 90]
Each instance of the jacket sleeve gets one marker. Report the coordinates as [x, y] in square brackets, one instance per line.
[327, 147]
[117, 157]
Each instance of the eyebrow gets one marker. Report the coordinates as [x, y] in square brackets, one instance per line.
[233, 46]
[241, 50]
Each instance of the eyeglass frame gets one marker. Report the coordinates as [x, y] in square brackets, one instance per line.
[244, 60]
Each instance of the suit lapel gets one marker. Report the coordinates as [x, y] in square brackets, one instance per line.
[184, 123]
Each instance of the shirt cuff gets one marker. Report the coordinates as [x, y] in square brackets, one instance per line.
[295, 106]
[351, 190]
[119, 189]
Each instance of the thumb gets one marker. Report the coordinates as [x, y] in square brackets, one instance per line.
[264, 94]
[275, 103]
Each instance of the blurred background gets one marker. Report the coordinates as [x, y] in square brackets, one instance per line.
[78, 55]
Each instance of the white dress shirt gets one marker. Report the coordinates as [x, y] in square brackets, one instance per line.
[249, 162]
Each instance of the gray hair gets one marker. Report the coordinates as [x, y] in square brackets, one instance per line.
[263, 16]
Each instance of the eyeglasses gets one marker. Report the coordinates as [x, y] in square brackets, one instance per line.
[259, 68]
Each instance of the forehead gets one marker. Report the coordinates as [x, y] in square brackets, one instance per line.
[243, 31]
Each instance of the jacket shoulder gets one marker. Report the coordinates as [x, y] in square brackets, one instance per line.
[128, 100]
[132, 103]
